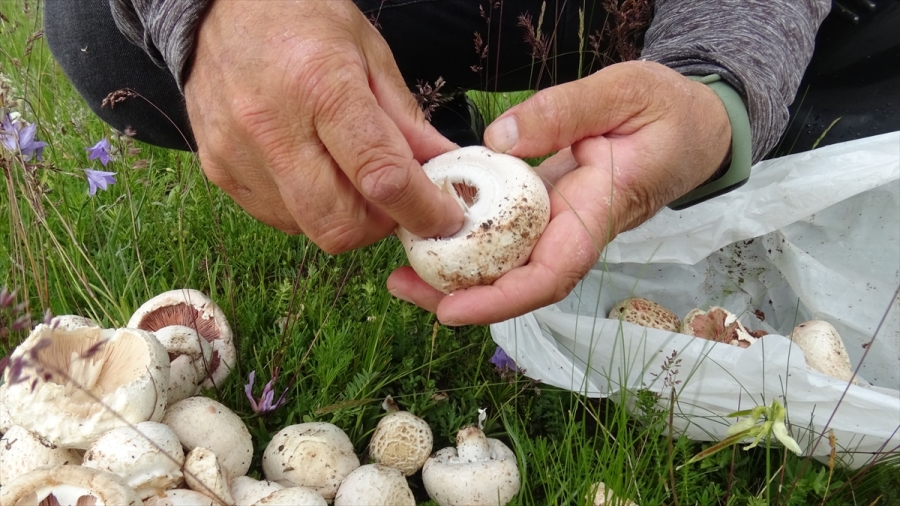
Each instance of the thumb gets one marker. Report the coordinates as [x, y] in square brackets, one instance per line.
[557, 117]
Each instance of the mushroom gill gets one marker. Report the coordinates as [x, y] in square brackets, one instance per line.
[188, 316]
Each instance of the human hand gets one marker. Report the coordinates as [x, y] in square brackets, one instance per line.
[303, 118]
[663, 134]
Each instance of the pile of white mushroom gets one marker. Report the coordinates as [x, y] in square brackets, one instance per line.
[820, 342]
[112, 417]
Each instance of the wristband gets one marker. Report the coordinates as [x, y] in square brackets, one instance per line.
[737, 173]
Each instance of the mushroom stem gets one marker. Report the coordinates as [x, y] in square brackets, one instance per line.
[472, 445]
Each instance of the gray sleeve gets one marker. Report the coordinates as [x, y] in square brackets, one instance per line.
[759, 47]
[165, 29]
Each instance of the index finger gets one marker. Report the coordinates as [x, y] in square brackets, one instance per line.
[372, 152]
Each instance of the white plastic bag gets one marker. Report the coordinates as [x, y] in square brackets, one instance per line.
[814, 235]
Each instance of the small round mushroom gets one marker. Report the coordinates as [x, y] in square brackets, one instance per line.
[148, 457]
[192, 308]
[22, 452]
[189, 355]
[823, 349]
[717, 324]
[375, 485]
[246, 490]
[603, 496]
[201, 421]
[506, 210]
[81, 383]
[646, 313]
[403, 441]
[317, 455]
[480, 471]
[203, 474]
[68, 484]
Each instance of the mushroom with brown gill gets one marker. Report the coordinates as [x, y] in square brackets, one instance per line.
[192, 308]
[506, 210]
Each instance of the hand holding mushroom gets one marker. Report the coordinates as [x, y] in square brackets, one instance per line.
[664, 134]
[302, 117]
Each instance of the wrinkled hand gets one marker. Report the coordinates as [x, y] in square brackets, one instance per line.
[631, 138]
[302, 117]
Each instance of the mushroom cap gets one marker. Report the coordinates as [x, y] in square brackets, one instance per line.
[605, 497]
[317, 455]
[503, 219]
[201, 421]
[180, 497]
[68, 483]
[22, 452]
[375, 485]
[203, 474]
[483, 473]
[5, 419]
[71, 321]
[403, 441]
[128, 370]
[823, 349]
[717, 324]
[646, 313]
[293, 496]
[246, 490]
[193, 309]
[148, 457]
[189, 356]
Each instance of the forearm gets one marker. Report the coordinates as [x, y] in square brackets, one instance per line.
[164, 29]
[760, 47]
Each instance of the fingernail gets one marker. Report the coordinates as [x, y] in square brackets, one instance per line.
[400, 296]
[502, 135]
[452, 323]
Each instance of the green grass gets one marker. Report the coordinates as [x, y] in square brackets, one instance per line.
[327, 323]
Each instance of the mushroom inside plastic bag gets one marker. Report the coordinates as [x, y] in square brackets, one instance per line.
[815, 235]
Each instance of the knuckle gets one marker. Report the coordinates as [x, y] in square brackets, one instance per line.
[381, 179]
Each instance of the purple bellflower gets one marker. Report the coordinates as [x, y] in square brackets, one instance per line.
[97, 179]
[264, 405]
[502, 361]
[100, 151]
[16, 135]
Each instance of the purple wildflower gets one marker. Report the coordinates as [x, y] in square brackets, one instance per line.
[16, 135]
[264, 405]
[502, 361]
[100, 151]
[97, 179]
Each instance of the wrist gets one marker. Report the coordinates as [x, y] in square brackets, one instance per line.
[735, 167]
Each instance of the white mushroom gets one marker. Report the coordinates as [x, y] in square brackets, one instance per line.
[22, 452]
[375, 485]
[603, 496]
[201, 421]
[77, 384]
[401, 440]
[717, 324]
[246, 490]
[180, 497]
[5, 420]
[506, 210]
[203, 474]
[480, 471]
[148, 457]
[71, 322]
[292, 496]
[317, 455]
[646, 313]
[69, 485]
[193, 309]
[823, 349]
[189, 354]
